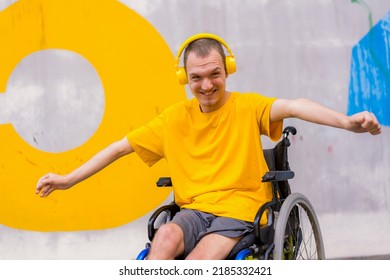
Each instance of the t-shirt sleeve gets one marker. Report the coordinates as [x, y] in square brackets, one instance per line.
[263, 110]
[148, 140]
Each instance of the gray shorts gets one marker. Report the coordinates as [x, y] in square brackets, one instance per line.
[195, 225]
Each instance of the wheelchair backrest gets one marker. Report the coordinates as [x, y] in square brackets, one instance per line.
[277, 160]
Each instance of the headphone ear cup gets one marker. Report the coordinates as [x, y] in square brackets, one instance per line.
[182, 75]
[230, 64]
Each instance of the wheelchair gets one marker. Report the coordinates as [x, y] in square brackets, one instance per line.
[292, 231]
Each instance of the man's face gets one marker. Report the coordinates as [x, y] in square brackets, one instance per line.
[207, 80]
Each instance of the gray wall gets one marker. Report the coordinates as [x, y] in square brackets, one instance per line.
[286, 49]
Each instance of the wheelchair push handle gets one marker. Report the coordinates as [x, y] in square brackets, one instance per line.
[288, 130]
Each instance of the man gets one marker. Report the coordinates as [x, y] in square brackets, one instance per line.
[213, 149]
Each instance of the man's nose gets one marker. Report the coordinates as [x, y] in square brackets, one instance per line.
[207, 84]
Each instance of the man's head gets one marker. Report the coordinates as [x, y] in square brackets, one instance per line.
[206, 68]
[202, 44]
[206, 74]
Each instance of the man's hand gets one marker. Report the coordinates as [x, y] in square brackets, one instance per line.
[363, 122]
[51, 182]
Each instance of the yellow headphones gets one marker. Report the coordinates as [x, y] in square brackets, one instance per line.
[230, 61]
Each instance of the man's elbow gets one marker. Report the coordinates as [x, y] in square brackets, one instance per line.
[123, 147]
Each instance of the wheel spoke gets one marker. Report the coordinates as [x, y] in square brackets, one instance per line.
[297, 232]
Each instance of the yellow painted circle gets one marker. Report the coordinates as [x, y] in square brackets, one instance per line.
[136, 69]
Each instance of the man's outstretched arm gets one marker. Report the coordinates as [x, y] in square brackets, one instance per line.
[310, 111]
[51, 182]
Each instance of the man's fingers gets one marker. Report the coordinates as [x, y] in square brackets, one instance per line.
[48, 189]
[43, 184]
[372, 125]
[360, 119]
[40, 185]
[376, 131]
[44, 191]
[363, 119]
[367, 122]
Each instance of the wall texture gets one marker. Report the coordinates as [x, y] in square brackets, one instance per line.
[334, 52]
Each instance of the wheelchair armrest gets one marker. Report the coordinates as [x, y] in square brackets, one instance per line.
[278, 176]
[161, 216]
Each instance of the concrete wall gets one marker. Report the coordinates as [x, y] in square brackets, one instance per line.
[286, 49]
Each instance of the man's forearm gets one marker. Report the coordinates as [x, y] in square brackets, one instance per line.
[310, 111]
[99, 161]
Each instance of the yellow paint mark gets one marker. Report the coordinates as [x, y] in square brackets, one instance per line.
[136, 69]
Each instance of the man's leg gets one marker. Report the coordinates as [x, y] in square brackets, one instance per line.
[213, 247]
[167, 243]
[219, 238]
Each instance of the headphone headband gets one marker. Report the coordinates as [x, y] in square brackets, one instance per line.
[201, 36]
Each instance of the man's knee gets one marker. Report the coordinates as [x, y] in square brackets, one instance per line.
[170, 231]
[168, 241]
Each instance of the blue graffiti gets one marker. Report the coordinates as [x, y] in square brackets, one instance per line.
[369, 87]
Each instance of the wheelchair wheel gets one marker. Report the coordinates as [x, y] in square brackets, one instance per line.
[297, 231]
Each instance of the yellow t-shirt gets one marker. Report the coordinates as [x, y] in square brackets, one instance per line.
[215, 159]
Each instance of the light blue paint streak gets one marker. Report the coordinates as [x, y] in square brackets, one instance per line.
[369, 87]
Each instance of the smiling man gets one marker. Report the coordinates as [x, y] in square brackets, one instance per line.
[213, 148]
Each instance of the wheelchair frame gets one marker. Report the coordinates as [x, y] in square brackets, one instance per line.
[292, 231]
